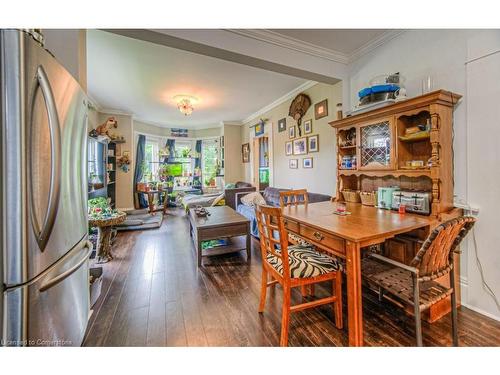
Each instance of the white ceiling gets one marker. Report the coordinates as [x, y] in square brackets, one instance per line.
[345, 41]
[141, 78]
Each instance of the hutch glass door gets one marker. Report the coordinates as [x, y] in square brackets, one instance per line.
[375, 146]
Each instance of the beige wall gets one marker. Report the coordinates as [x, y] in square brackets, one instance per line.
[233, 171]
[124, 181]
[322, 177]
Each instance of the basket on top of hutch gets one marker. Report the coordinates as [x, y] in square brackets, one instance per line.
[408, 144]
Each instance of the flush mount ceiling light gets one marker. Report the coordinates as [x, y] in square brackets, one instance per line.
[185, 103]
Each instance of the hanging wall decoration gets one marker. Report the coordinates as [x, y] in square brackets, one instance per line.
[298, 109]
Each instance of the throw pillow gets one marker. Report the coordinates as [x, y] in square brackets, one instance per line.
[253, 199]
[230, 186]
[217, 200]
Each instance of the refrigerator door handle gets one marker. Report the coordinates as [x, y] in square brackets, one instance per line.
[56, 280]
[43, 231]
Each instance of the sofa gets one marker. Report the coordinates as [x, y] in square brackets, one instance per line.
[207, 200]
[239, 187]
[272, 197]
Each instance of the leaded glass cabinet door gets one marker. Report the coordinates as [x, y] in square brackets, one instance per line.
[376, 145]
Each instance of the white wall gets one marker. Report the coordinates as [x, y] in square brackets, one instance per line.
[443, 54]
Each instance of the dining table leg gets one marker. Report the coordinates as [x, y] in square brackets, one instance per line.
[354, 303]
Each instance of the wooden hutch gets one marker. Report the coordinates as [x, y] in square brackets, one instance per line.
[387, 153]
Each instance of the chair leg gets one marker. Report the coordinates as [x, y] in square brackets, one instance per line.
[416, 303]
[263, 291]
[285, 316]
[454, 323]
[303, 290]
[337, 306]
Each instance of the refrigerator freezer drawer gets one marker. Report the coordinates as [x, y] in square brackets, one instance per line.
[53, 310]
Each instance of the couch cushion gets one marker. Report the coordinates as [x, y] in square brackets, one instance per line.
[242, 184]
[304, 262]
[253, 199]
[272, 196]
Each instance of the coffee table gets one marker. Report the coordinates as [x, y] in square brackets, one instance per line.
[223, 222]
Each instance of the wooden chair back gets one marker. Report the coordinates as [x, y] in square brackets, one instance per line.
[435, 257]
[293, 197]
[273, 235]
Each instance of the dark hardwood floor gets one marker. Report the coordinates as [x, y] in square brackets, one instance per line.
[154, 295]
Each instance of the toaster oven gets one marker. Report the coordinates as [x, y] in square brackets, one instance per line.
[415, 201]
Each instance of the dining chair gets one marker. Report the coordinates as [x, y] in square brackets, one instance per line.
[293, 266]
[415, 284]
[293, 197]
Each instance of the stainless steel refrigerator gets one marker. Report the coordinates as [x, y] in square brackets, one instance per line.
[45, 249]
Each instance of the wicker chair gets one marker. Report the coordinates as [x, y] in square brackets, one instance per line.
[414, 284]
[293, 266]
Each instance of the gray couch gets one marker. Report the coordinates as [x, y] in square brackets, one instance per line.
[240, 187]
[272, 198]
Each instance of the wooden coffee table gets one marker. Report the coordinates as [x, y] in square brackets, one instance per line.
[223, 222]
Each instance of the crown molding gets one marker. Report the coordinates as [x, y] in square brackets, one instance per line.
[313, 49]
[116, 112]
[292, 43]
[374, 44]
[232, 123]
[280, 100]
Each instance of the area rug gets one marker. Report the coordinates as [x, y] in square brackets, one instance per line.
[140, 220]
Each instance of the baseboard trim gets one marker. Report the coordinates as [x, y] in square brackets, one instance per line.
[482, 312]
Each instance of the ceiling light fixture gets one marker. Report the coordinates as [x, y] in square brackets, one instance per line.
[185, 103]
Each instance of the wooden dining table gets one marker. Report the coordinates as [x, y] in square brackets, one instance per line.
[345, 236]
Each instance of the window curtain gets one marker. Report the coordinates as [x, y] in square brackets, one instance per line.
[171, 150]
[197, 163]
[140, 200]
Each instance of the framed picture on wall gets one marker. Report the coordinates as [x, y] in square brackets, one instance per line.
[259, 128]
[313, 143]
[321, 109]
[307, 163]
[300, 146]
[308, 126]
[288, 148]
[245, 153]
[291, 132]
[282, 125]
[293, 163]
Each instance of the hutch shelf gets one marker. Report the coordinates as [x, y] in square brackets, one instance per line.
[408, 144]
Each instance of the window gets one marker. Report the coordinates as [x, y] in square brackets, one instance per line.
[183, 152]
[152, 160]
[209, 162]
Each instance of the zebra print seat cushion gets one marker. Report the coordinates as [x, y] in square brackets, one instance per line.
[304, 262]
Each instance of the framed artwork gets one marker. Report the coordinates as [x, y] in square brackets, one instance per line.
[126, 154]
[300, 146]
[307, 163]
[313, 143]
[291, 132]
[293, 163]
[321, 109]
[288, 148]
[177, 132]
[282, 125]
[259, 129]
[245, 152]
[308, 126]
